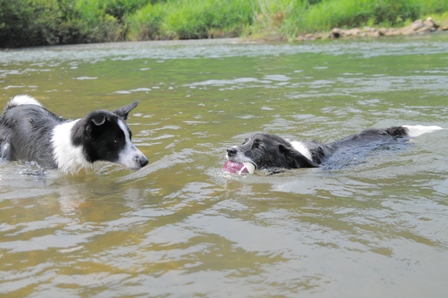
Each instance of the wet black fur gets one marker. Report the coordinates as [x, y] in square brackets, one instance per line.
[25, 134]
[100, 135]
[273, 152]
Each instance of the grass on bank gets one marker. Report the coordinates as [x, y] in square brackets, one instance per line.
[325, 15]
[190, 19]
[41, 22]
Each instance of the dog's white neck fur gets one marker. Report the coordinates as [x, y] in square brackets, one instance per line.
[301, 147]
[68, 157]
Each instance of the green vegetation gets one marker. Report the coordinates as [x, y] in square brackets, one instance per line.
[47, 22]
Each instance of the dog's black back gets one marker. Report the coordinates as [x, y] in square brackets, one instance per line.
[371, 138]
[26, 126]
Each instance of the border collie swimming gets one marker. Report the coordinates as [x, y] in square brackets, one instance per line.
[29, 132]
[272, 153]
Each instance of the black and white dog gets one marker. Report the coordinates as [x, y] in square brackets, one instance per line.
[29, 132]
[271, 152]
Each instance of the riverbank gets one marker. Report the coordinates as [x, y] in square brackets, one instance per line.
[46, 22]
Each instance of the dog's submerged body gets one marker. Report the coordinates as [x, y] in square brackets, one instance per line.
[271, 152]
[29, 132]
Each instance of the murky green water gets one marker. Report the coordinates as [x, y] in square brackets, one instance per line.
[376, 227]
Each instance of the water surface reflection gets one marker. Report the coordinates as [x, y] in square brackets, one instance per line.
[374, 226]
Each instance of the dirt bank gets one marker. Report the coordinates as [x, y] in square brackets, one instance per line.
[417, 27]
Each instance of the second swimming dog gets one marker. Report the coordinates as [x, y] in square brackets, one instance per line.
[271, 152]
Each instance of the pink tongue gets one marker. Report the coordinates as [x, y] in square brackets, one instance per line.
[232, 167]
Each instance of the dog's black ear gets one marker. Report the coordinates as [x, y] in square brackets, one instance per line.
[90, 126]
[296, 159]
[99, 119]
[124, 111]
[95, 122]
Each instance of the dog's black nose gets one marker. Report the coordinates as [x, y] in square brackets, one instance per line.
[141, 160]
[231, 151]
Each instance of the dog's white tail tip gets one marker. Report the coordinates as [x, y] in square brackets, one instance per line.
[22, 100]
[417, 130]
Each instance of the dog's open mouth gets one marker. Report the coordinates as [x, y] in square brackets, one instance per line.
[238, 168]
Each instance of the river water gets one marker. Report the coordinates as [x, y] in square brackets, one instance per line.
[372, 226]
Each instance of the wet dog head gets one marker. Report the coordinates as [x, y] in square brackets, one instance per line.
[105, 136]
[268, 152]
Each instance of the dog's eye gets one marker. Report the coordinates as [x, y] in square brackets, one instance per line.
[245, 141]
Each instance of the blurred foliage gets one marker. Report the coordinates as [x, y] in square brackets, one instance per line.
[49, 22]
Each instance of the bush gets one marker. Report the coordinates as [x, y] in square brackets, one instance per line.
[28, 23]
[434, 6]
[395, 12]
[189, 19]
[119, 9]
[145, 23]
[326, 15]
